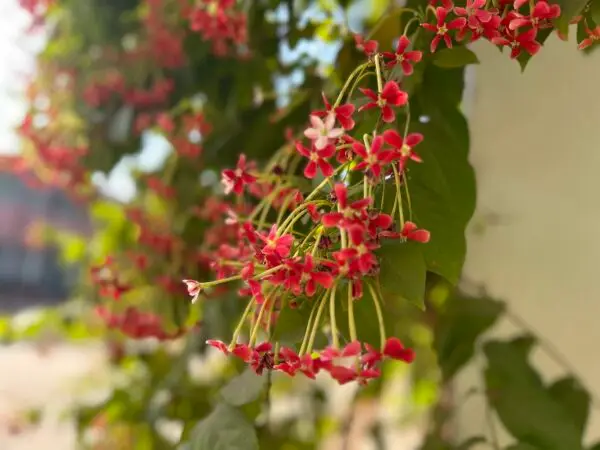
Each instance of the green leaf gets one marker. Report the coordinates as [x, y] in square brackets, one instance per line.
[522, 446]
[569, 9]
[403, 272]
[225, 428]
[595, 11]
[457, 56]
[524, 405]
[455, 345]
[244, 388]
[574, 398]
[442, 189]
[595, 446]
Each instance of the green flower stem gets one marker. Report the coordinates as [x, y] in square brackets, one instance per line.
[220, 281]
[380, 320]
[332, 319]
[385, 16]
[317, 241]
[378, 73]
[408, 24]
[256, 326]
[359, 78]
[351, 322]
[315, 327]
[347, 84]
[398, 195]
[308, 328]
[241, 323]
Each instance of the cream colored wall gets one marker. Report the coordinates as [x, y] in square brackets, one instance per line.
[536, 149]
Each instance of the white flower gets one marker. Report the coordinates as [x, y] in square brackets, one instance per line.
[322, 131]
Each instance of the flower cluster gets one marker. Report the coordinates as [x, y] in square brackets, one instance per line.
[320, 253]
[508, 25]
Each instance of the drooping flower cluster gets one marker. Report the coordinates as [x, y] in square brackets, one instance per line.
[284, 245]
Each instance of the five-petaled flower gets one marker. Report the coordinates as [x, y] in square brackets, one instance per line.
[317, 158]
[343, 113]
[403, 146]
[390, 95]
[234, 180]
[519, 42]
[403, 57]
[373, 157]
[322, 132]
[441, 28]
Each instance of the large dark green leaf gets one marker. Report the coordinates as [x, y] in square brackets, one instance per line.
[442, 188]
[457, 56]
[402, 272]
[225, 428]
[526, 408]
[462, 321]
[244, 388]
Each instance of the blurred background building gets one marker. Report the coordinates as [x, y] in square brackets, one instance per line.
[30, 269]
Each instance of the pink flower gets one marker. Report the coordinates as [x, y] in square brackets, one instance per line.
[321, 132]
[391, 95]
[194, 288]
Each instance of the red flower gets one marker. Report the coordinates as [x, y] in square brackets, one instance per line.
[442, 28]
[412, 233]
[369, 48]
[317, 159]
[312, 277]
[519, 42]
[361, 249]
[234, 180]
[349, 212]
[373, 158]
[402, 57]
[404, 146]
[540, 16]
[409, 232]
[593, 37]
[390, 95]
[342, 113]
[395, 349]
[280, 246]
